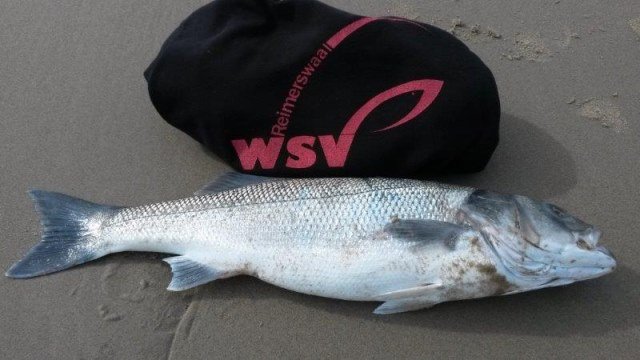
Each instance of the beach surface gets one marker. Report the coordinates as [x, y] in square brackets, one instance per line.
[76, 118]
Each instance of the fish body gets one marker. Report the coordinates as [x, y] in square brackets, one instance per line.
[410, 244]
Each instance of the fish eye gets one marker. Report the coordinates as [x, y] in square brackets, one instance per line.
[583, 245]
[558, 211]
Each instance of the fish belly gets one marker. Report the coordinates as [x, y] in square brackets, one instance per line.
[350, 274]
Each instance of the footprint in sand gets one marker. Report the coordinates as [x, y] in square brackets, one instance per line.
[473, 33]
[635, 25]
[529, 46]
[605, 112]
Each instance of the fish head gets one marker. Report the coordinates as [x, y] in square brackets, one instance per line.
[539, 244]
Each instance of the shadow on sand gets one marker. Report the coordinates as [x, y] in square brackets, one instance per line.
[528, 161]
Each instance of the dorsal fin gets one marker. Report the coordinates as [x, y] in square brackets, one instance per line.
[230, 181]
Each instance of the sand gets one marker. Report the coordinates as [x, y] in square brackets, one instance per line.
[635, 25]
[76, 118]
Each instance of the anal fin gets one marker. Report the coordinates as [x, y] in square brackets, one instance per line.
[189, 273]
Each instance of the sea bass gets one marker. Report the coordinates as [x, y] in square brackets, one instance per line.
[407, 243]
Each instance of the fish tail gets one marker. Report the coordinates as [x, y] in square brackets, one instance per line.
[70, 235]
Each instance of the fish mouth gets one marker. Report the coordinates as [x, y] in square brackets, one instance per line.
[599, 262]
[607, 262]
[608, 253]
[598, 258]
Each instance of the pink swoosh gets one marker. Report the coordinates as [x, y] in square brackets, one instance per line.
[429, 88]
[348, 30]
[345, 32]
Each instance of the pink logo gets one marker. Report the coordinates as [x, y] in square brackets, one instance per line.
[300, 149]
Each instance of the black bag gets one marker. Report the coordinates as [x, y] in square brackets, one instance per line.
[297, 88]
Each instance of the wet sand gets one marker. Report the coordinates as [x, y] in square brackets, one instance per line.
[76, 118]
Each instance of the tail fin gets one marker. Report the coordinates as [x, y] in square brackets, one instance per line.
[70, 228]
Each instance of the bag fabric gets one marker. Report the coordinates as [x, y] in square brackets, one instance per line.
[297, 88]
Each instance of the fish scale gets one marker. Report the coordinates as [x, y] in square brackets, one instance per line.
[286, 232]
[296, 190]
[312, 206]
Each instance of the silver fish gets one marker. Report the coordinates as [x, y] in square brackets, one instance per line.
[409, 244]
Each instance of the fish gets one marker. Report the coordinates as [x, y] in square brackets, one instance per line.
[408, 244]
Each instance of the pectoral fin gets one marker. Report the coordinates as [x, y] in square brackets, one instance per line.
[426, 231]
